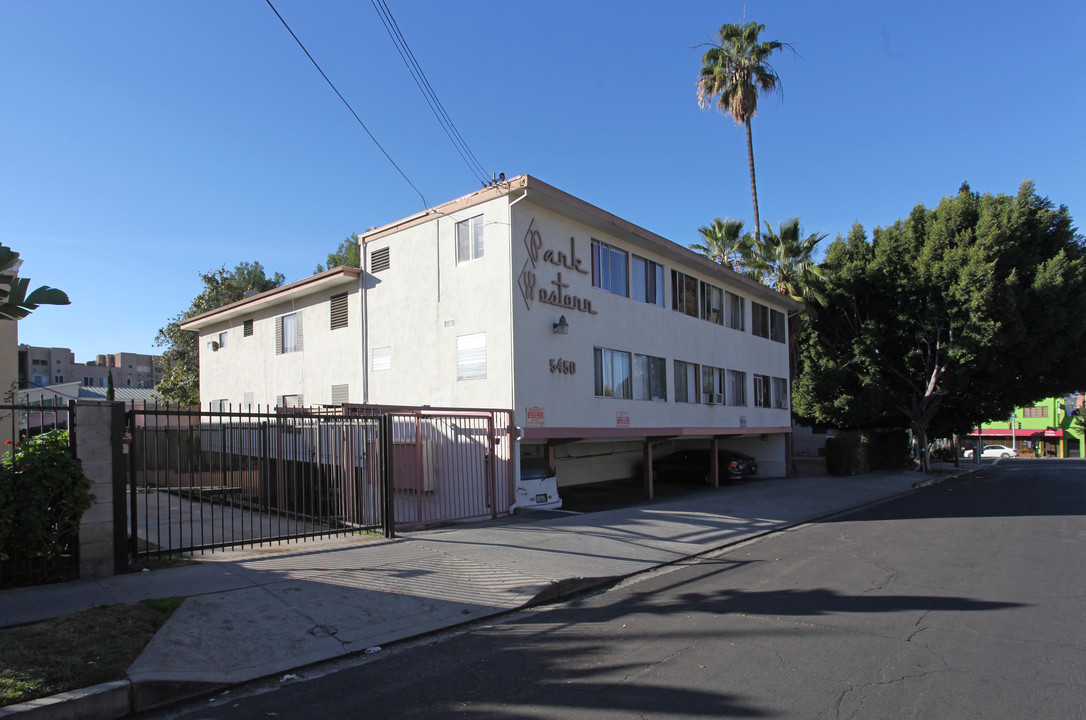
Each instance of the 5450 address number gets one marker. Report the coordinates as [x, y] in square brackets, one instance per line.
[563, 367]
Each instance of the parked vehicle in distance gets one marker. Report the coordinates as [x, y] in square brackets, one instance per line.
[993, 451]
[538, 486]
[693, 466]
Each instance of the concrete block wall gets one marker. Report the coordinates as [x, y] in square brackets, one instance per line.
[94, 447]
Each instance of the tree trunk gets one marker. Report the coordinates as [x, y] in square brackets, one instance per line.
[920, 433]
[753, 185]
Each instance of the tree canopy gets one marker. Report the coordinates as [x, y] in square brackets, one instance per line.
[349, 253]
[15, 302]
[947, 318]
[180, 382]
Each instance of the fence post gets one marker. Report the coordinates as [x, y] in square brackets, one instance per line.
[387, 500]
[119, 423]
[94, 448]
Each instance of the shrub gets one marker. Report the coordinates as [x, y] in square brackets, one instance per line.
[43, 494]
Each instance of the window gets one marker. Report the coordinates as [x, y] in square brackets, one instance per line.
[381, 358]
[649, 378]
[379, 260]
[221, 341]
[646, 281]
[762, 393]
[289, 401]
[609, 268]
[1037, 411]
[341, 394]
[737, 387]
[288, 333]
[780, 392]
[471, 357]
[686, 382]
[712, 303]
[247, 328]
[712, 384]
[469, 239]
[612, 373]
[684, 293]
[735, 311]
[338, 307]
[219, 405]
[767, 323]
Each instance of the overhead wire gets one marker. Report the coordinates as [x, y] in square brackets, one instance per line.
[427, 90]
[340, 95]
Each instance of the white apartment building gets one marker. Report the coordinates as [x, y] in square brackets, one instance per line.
[611, 344]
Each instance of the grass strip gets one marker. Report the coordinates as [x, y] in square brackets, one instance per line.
[77, 651]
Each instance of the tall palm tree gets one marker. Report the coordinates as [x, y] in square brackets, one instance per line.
[785, 259]
[734, 70]
[725, 242]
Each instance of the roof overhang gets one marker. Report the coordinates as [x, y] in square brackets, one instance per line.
[312, 285]
[547, 196]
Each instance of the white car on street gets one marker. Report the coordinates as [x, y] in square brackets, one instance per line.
[994, 451]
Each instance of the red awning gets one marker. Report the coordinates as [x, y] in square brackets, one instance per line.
[1022, 433]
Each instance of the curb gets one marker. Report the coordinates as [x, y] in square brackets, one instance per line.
[101, 702]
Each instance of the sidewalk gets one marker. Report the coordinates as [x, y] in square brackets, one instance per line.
[256, 613]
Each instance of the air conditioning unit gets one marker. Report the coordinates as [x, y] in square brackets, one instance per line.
[714, 398]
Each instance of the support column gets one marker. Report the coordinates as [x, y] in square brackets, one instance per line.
[94, 447]
[649, 486]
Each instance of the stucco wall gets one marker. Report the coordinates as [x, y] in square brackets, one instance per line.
[424, 301]
[250, 364]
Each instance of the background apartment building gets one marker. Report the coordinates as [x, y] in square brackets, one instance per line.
[44, 366]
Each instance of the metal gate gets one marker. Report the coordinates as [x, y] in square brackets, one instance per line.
[448, 464]
[209, 479]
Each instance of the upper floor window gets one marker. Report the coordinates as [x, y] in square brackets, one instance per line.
[780, 392]
[712, 303]
[609, 268]
[684, 293]
[1037, 411]
[338, 307]
[767, 322]
[737, 387]
[222, 341]
[646, 281]
[712, 384]
[649, 378]
[687, 389]
[288, 333]
[762, 393]
[469, 239]
[612, 373]
[735, 311]
[247, 328]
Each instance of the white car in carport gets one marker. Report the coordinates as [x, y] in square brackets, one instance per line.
[991, 452]
[537, 488]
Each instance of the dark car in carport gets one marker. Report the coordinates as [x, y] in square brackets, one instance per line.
[693, 466]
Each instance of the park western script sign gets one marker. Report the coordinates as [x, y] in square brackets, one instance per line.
[541, 279]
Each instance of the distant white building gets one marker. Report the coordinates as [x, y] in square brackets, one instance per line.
[610, 343]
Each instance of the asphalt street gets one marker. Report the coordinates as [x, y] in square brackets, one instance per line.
[961, 600]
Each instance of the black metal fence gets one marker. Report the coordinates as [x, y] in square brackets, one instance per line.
[23, 563]
[202, 480]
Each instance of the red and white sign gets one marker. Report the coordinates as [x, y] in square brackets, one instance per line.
[622, 419]
[534, 416]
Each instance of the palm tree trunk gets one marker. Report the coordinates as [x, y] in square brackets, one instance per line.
[753, 186]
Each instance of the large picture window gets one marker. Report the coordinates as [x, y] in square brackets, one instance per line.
[469, 239]
[684, 293]
[609, 268]
[612, 373]
[646, 281]
[649, 378]
[687, 389]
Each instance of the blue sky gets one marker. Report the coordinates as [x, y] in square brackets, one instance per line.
[147, 142]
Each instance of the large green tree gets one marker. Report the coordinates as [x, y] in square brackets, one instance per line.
[734, 71]
[180, 382]
[947, 318]
[348, 253]
[15, 300]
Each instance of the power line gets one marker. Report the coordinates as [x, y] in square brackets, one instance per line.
[332, 85]
[423, 83]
